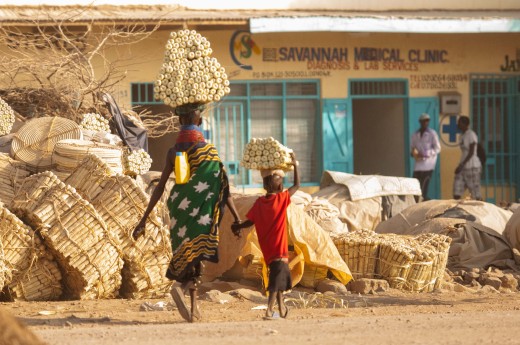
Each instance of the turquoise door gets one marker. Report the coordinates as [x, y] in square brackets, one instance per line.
[337, 135]
[417, 106]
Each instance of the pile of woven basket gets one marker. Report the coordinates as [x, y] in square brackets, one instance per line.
[68, 212]
[58, 144]
[406, 262]
[72, 238]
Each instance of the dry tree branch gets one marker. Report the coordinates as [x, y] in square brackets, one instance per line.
[54, 68]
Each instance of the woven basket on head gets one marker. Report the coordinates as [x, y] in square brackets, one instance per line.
[69, 153]
[121, 203]
[11, 175]
[79, 239]
[360, 251]
[34, 143]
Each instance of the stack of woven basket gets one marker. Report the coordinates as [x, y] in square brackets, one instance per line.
[120, 203]
[68, 154]
[409, 263]
[12, 174]
[34, 142]
[84, 249]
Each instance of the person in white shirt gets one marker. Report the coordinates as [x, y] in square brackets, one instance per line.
[467, 174]
[425, 148]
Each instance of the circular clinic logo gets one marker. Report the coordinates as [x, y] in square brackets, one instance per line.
[242, 47]
[449, 130]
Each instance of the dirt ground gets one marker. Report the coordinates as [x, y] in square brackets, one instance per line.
[391, 317]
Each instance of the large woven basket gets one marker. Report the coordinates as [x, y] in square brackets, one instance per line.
[12, 174]
[42, 282]
[19, 244]
[406, 262]
[28, 197]
[88, 177]
[34, 142]
[69, 153]
[79, 239]
[360, 251]
[121, 203]
[440, 245]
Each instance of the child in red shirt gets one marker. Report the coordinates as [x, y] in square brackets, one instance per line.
[269, 216]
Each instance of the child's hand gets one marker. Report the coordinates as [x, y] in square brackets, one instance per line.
[293, 158]
[236, 228]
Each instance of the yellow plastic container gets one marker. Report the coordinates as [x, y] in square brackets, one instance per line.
[182, 168]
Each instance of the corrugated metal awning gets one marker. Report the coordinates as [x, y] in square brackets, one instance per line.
[271, 20]
[385, 24]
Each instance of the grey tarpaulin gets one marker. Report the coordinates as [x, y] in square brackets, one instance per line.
[476, 229]
[133, 136]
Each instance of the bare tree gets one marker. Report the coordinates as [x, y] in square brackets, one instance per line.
[57, 67]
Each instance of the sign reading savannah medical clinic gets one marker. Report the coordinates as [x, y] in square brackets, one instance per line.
[243, 49]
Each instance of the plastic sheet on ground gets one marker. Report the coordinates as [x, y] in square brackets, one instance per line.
[512, 231]
[475, 228]
[358, 215]
[369, 186]
[479, 212]
[308, 238]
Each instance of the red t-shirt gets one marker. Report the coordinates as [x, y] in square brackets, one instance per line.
[269, 215]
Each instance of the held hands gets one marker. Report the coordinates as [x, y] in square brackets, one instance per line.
[236, 227]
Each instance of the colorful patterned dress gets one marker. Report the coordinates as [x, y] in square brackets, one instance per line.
[196, 208]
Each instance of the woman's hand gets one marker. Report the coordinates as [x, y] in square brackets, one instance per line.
[139, 230]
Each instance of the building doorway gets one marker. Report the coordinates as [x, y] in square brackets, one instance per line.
[379, 139]
[378, 114]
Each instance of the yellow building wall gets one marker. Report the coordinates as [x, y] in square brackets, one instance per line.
[463, 54]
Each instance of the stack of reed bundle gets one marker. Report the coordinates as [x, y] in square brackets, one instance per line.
[31, 192]
[406, 262]
[34, 142]
[121, 204]
[360, 251]
[11, 175]
[7, 117]
[69, 153]
[41, 283]
[395, 260]
[78, 238]
[34, 273]
[88, 177]
[18, 243]
[440, 244]
[418, 277]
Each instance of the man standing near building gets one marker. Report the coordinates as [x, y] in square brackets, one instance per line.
[425, 148]
[467, 174]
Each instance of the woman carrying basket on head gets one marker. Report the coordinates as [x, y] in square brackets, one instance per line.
[195, 207]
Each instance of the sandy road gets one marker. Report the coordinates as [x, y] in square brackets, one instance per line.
[389, 318]
[460, 328]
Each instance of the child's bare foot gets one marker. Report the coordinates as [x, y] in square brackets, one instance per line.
[284, 311]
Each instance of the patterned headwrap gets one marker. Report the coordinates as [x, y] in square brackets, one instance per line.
[189, 108]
